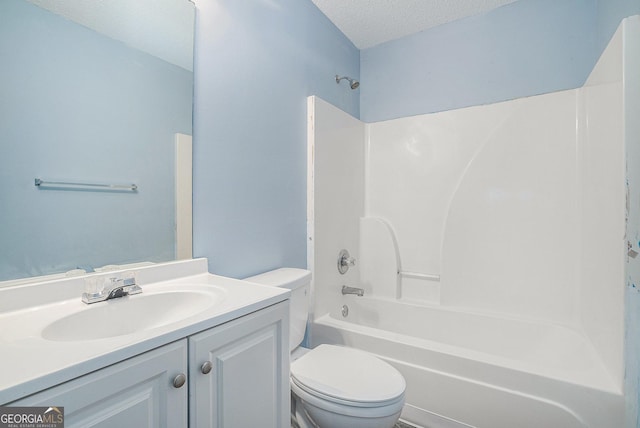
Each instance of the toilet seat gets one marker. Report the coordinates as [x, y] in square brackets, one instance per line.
[323, 401]
[353, 410]
[347, 377]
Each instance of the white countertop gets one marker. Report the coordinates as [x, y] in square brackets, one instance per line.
[30, 363]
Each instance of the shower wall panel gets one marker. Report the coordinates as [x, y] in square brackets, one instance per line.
[631, 85]
[510, 242]
[602, 179]
[486, 198]
[335, 183]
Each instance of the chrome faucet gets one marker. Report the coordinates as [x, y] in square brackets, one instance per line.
[352, 290]
[345, 261]
[112, 288]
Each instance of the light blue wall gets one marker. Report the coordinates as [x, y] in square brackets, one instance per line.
[256, 61]
[609, 15]
[78, 106]
[525, 48]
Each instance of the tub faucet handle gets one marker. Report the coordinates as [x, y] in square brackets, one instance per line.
[348, 261]
[345, 261]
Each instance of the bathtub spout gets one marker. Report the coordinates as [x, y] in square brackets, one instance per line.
[352, 290]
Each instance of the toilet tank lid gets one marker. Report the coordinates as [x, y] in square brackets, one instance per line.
[290, 278]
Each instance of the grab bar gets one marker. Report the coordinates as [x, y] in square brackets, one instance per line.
[60, 184]
[418, 275]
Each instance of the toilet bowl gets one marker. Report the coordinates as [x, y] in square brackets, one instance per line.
[334, 386]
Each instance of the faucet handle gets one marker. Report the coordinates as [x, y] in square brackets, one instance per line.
[91, 285]
[129, 279]
[129, 284]
[123, 286]
[348, 261]
[345, 261]
[93, 289]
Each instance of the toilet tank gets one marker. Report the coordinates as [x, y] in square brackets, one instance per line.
[299, 282]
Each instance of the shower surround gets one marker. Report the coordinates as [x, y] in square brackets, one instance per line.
[490, 242]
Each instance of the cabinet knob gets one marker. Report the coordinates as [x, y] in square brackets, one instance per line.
[179, 380]
[206, 367]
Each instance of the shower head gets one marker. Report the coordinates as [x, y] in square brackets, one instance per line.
[352, 82]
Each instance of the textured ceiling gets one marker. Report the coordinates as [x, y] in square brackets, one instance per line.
[370, 22]
[163, 28]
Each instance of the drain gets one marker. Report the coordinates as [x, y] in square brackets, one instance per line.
[345, 310]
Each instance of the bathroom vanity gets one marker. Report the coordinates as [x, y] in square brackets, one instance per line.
[193, 349]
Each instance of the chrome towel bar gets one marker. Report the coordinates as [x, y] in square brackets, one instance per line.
[96, 186]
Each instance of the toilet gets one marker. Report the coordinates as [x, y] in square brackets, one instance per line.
[334, 386]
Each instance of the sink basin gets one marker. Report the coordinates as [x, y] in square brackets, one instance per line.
[128, 315]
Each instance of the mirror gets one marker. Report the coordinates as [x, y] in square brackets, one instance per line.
[92, 93]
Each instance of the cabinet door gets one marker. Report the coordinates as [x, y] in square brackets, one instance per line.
[135, 393]
[248, 385]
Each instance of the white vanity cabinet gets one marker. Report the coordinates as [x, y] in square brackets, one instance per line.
[234, 375]
[239, 372]
[138, 392]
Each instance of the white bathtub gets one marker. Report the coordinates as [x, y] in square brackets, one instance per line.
[465, 369]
